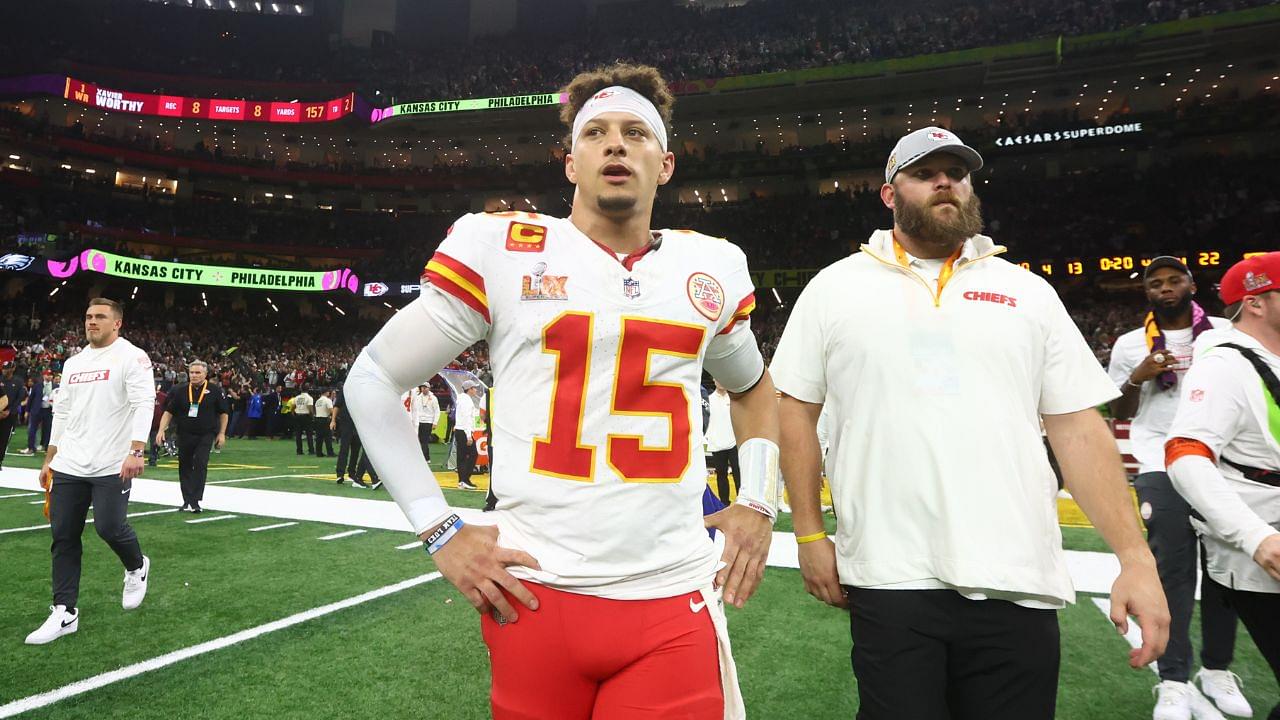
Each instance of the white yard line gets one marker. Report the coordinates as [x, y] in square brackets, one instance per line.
[1133, 637]
[36, 502]
[211, 519]
[348, 533]
[98, 681]
[410, 546]
[1091, 572]
[6, 497]
[272, 527]
[263, 477]
[45, 527]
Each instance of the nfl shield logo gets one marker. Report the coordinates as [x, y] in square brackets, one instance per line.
[631, 288]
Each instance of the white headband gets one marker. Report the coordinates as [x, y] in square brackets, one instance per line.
[621, 99]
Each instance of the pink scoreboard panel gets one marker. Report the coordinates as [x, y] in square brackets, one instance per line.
[207, 108]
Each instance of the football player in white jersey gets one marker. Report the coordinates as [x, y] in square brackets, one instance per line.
[599, 328]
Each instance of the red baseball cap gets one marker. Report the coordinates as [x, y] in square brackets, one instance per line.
[1251, 276]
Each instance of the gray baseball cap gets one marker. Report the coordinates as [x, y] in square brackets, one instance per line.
[926, 141]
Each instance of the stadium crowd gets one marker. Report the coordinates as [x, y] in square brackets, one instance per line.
[684, 41]
[249, 353]
[1095, 212]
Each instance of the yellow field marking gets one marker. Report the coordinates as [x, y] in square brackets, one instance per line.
[173, 465]
[449, 481]
[1070, 514]
[238, 466]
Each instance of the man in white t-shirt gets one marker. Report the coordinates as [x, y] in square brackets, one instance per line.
[937, 360]
[323, 410]
[427, 413]
[101, 424]
[721, 442]
[1147, 364]
[465, 410]
[1223, 451]
[302, 423]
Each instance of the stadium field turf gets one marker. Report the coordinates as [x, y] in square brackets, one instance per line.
[219, 589]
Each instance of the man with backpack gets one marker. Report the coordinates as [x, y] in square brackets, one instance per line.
[1223, 453]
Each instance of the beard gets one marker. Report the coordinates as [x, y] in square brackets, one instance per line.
[615, 203]
[919, 221]
[1168, 313]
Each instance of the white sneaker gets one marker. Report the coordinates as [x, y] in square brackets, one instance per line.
[135, 585]
[60, 623]
[1201, 708]
[1173, 700]
[1223, 688]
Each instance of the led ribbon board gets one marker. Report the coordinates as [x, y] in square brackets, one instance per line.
[210, 275]
[444, 106]
[207, 108]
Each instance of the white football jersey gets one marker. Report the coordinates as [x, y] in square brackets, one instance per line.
[598, 469]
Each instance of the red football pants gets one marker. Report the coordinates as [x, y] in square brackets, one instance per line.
[580, 657]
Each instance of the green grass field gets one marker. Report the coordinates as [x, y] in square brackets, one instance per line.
[382, 658]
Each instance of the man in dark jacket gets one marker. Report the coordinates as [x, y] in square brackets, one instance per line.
[200, 411]
[14, 393]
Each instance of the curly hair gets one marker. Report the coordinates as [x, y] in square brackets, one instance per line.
[644, 79]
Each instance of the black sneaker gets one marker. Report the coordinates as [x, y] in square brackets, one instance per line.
[195, 508]
[185, 508]
[342, 480]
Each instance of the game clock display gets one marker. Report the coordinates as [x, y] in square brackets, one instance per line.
[1128, 263]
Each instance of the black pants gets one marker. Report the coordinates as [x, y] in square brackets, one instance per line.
[324, 437]
[155, 449]
[1175, 545]
[363, 466]
[302, 426]
[466, 455]
[193, 464]
[424, 440]
[39, 423]
[348, 450]
[722, 460]
[1260, 613]
[6, 432]
[932, 654]
[68, 508]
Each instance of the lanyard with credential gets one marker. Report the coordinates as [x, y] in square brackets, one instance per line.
[943, 277]
[193, 405]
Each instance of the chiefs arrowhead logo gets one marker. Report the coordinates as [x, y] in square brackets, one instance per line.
[936, 135]
[706, 294]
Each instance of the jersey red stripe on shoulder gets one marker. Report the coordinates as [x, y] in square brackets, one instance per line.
[461, 268]
[741, 313]
[447, 284]
[732, 323]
